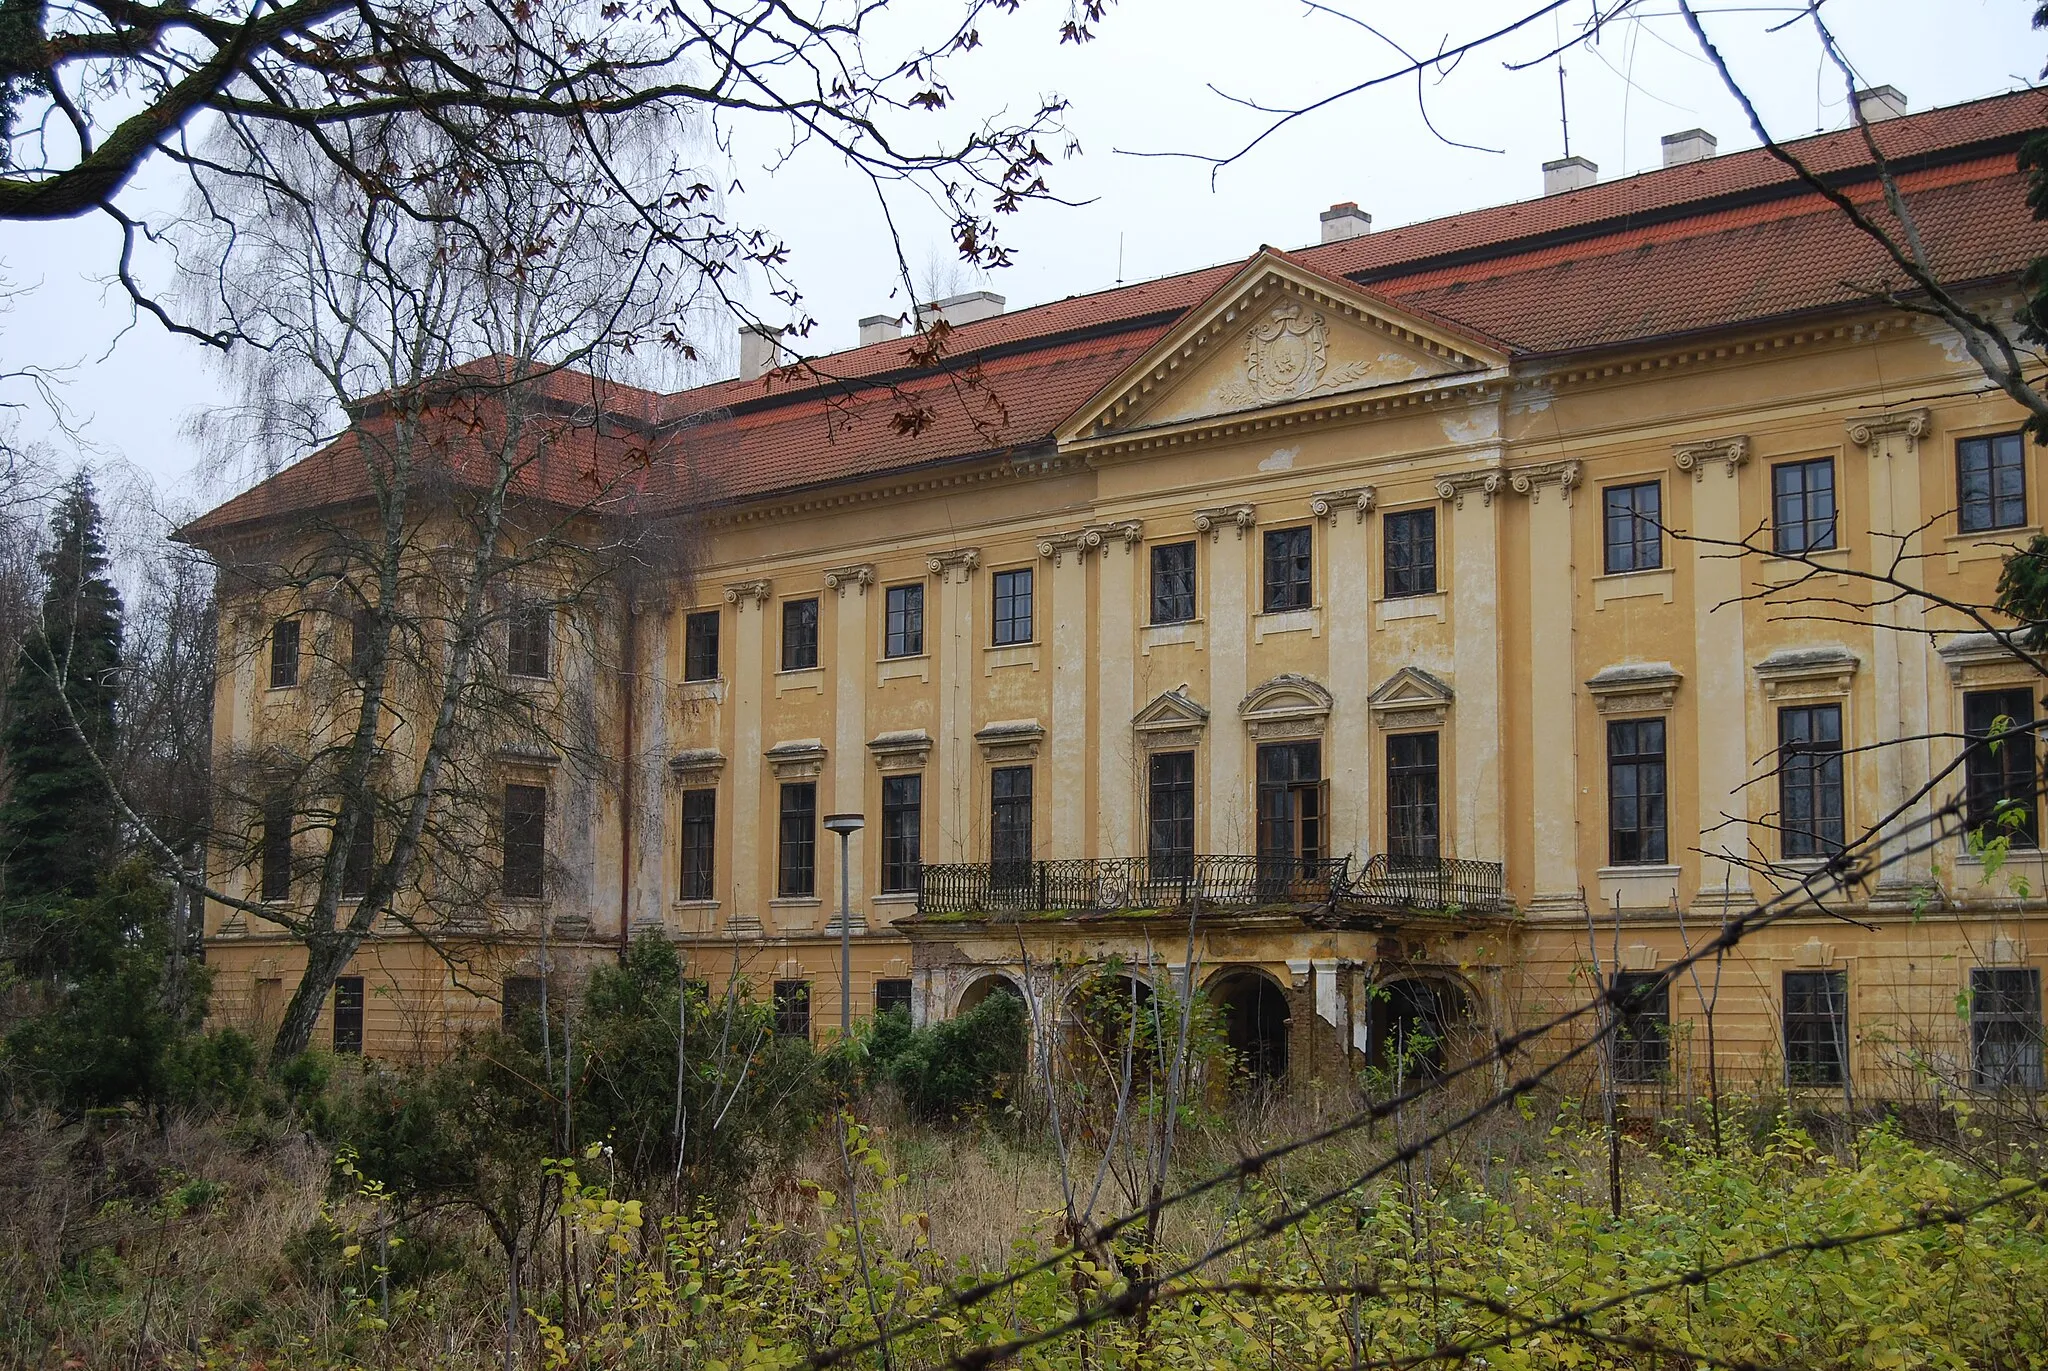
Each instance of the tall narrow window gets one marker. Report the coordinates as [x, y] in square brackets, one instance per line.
[1173, 583]
[902, 832]
[1009, 829]
[796, 865]
[529, 630]
[792, 1009]
[1634, 527]
[1290, 810]
[1810, 780]
[799, 634]
[1999, 771]
[2005, 1026]
[284, 654]
[360, 858]
[526, 835]
[700, 646]
[519, 1002]
[1289, 569]
[892, 995]
[1803, 506]
[700, 843]
[1991, 482]
[1642, 1027]
[903, 633]
[1816, 1027]
[276, 847]
[362, 638]
[1635, 792]
[1412, 824]
[348, 1015]
[1012, 606]
[1170, 839]
[1410, 537]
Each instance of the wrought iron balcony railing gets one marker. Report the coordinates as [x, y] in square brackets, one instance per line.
[1111, 884]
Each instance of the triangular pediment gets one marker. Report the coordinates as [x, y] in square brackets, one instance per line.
[1279, 335]
[1287, 696]
[1170, 710]
[1410, 688]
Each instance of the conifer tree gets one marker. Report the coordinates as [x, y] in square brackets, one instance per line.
[58, 826]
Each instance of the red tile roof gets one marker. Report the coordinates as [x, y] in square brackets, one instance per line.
[1728, 241]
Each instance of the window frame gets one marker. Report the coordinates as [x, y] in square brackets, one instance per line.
[362, 632]
[1991, 445]
[1010, 626]
[1178, 600]
[697, 869]
[1287, 577]
[1011, 815]
[518, 996]
[702, 630]
[792, 1004]
[1813, 767]
[346, 1022]
[523, 877]
[795, 651]
[1297, 806]
[530, 640]
[359, 862]
[1415, 573]
[275, 856]
[1783, 543]
[1801, 1028]
[1415, 796]
[2018, 1010]
[903, 629]
[1627, 555]
[1167, 856]
[887, 1001]
[1642, 1001]
[902, 833]
[1638, 762]
[2012, 763]
[286, 647]
[796, 841]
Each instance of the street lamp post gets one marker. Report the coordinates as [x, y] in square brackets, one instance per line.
[845, 825]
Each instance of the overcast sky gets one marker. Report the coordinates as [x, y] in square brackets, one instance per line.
[1144, 86]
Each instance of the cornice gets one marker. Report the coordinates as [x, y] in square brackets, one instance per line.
[1731, 452]
[1313, 412]
[1001, 467]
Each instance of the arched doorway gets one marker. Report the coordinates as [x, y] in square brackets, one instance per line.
[1412, 1021]
[981, 989]
[1255, 1022]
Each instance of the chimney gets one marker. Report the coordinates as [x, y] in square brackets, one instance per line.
[1346, 220]
[962, 309]
[1694, 145]
[1568, 173]
[880, 328]
[1880, 102]
[758, 351]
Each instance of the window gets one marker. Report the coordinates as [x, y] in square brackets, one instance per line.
[902, 832]
[276, 845]
[1635, 792]
[2005, 1026]
[1288, 562]
[796, 857]
[1816, 1027]
[360, 859]
[1642, 1027]
[1410, 553]
[362, 638]
[1170, 840]
[1991, 482]
[528, 631]
[348, 1015]
[799, 634]
[284, 653]
[1810, 780]
[1412, 826]
[1013, 606]
[1173, 583]
[700, 844]
[1803, 506]
[519, 1002]
[1999, 767]
[1291, 804]
[904, 633]
[700, 646]
[792, 1009]
[526, 834]
[892, 996]
[1009, 847]
[1634, 527]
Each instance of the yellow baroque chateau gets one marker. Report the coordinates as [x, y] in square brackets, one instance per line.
[1387, 635]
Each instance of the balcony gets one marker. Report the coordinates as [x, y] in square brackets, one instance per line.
[1383, 886]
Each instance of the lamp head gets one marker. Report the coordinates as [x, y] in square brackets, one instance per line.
[844, 823]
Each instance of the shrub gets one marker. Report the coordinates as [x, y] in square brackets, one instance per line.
[947, 1069]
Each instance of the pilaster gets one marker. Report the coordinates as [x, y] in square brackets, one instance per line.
[1553, 688]
[949, 637]
[850, 671]
[1224, 816]
[1347, 597]
[1720, 684]
[749, 601]
[1475, 653]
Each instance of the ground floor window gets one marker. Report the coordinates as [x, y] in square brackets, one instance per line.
[2005, 1026]
[1816, 1027]
[792, 1009]
[1642, 1028]
[348, 1015]
[892, 995]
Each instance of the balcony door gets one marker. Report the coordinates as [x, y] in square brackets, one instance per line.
[1293, 814]
[1010, 828]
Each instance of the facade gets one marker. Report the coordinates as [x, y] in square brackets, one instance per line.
[1394, 635]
